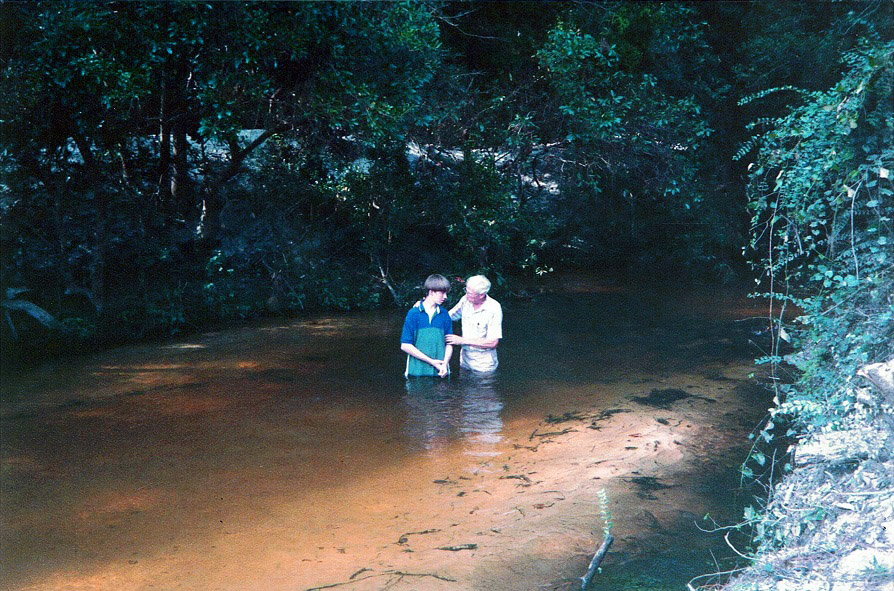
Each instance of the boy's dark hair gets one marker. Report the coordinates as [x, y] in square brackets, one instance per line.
[436, 283]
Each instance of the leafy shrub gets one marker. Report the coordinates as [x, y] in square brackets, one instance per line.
[822, 200]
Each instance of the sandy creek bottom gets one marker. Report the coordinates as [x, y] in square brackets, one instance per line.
[292, 455]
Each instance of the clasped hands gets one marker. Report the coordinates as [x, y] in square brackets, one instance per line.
[442, 366]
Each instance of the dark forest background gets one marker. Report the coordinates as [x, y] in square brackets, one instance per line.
[168, 166]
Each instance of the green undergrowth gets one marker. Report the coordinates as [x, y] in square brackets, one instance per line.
[822, 202]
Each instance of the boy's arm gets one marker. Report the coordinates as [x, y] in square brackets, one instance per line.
[448, 353]
[407, 346]
[413, 351]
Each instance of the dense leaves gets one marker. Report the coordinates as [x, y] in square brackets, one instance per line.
[630, 84]
[821, 195]
[125, 147]
[167, 165]
[822, 201]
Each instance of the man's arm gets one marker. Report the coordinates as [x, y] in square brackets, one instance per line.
[485, 343]
[489, 341]
[456, 312]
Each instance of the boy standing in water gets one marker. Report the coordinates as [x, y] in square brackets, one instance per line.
[425, 328]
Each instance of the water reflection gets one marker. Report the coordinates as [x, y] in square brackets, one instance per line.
[466, 407]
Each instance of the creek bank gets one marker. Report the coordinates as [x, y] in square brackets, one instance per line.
[829, 524]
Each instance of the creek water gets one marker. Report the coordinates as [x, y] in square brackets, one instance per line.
[293, 455]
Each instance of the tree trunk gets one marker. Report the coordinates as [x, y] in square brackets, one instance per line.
[59, 244]
[98, 272]
[180, 187]
[209, 222]
[164, 146]
[181, 191]
[212, 203]
[100, 198]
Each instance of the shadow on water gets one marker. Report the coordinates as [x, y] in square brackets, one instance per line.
[291, 454]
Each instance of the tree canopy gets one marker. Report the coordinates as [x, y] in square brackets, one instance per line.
[171, 164]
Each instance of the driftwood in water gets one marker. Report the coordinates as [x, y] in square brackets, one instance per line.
[404, 539]
[565, 417]
[460, 547]
[550, 433]
[394, 575]
[594, 564]
[521, 477]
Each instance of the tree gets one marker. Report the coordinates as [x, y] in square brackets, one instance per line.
[631, 85]
[125, 120]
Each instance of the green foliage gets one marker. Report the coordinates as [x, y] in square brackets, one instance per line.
[172, 164]
[125, 152]
[821, 199]
[496, 231]
[633, 129]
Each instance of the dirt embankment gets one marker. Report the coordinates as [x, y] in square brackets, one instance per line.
[830, 522]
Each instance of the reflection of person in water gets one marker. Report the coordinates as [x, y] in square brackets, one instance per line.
[467, 408]
[481, 407]
[429, 416]
[482, 323]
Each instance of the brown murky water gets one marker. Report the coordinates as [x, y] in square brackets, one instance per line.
[292, 455]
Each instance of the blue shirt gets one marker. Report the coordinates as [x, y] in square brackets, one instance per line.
[417, 318]
[427, 335]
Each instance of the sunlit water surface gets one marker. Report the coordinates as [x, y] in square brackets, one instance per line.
[293, 454]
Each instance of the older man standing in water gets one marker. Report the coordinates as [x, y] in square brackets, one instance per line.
[482, 324]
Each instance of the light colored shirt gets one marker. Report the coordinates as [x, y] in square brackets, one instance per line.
[484, 323]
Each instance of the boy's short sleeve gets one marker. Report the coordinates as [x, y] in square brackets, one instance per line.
[408, 334]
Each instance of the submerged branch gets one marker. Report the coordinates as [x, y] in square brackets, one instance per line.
[594, 563]
[394, 573]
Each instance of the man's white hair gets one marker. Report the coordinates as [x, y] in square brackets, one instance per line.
[478, 284]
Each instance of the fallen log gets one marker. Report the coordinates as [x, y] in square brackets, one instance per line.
[882, 377]
[594, 564]
[839, 447]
